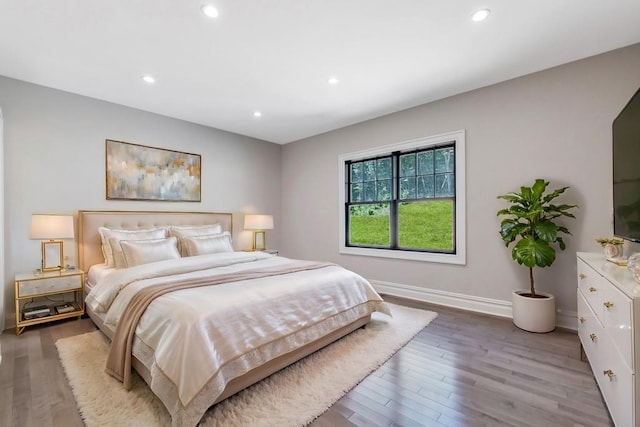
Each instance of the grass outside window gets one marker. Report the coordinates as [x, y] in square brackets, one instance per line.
[422, 225]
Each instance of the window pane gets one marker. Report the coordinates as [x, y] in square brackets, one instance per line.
[369, 225]
[425, 187]
[384, 169]
[408, 165]
[356, 172]
[426, 225]
[445, 160]
[407, 188]
[370, 170]
[384, 190]
[370, 191]
[445, 185]
[425, 163]
[356, 192]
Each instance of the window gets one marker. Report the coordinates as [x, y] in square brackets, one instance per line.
[405, 200]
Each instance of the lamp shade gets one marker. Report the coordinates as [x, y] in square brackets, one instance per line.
[258, 222]
[51, 227]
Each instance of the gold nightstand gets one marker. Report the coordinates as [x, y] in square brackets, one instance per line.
[47, 297]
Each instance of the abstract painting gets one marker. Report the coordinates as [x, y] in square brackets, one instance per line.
[138, 172]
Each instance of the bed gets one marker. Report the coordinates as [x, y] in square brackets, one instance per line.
[241, 315]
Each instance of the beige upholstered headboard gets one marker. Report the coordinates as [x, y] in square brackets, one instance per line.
[89, 244]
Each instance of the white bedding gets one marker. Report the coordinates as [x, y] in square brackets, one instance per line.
[194, 341]
[97, 273]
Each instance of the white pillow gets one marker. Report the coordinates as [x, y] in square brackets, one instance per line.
[107, 248]
[138, 252]
[201, 245]
[182, 231]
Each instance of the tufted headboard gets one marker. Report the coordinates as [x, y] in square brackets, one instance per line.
[89, 244]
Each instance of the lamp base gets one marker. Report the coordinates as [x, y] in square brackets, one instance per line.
[259, 244]
[52, 255]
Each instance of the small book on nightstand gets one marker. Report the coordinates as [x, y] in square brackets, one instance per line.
[66, 308]
[35, 312]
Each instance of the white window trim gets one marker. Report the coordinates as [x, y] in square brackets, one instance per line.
[460, 256]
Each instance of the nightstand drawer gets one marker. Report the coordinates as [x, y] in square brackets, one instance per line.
[48, 285]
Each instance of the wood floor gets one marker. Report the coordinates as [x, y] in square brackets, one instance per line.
[464, 369]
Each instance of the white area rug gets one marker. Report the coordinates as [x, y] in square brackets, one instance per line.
[294, 396]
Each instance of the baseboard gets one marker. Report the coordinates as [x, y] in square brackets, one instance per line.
[567, 319]
[564, 319]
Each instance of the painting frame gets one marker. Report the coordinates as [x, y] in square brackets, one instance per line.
[142, 172]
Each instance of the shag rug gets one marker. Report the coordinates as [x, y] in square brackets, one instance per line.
[294, 396]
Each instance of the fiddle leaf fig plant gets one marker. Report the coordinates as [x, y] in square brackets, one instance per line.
[530, 222]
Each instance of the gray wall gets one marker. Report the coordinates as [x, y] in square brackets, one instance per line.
[54, 148]
[555, 124]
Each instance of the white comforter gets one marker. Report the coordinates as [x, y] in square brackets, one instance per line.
[201, 338]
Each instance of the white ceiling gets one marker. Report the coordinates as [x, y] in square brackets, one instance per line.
[277, 56]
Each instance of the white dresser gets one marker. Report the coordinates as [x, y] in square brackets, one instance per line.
[608, 311]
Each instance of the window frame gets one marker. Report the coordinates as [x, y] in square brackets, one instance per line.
[459, 256]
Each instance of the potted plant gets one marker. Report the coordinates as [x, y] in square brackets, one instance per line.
[530, 222]
[611, 247]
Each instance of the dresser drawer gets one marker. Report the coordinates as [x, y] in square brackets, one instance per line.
[617, 389]
[617, 309]
[592, 286]
[48, 285]
[592, 334]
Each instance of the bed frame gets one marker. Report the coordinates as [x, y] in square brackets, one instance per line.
[90, 253]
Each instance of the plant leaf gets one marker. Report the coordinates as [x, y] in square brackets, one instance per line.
[538, 188]
[533, 253]
[546, 231]
[554, 194]
[561, 243]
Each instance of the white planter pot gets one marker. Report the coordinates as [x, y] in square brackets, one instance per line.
[534, 314]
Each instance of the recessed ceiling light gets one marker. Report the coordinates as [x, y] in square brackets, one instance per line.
[209, 10]
[480, 15]
[333, 81]
[148, 79]
[257, 114]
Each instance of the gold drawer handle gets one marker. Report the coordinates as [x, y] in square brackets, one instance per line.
[592, 289]
[609, 373]
[593, 337]
[608, 304]
[582, 319]
[582, 276]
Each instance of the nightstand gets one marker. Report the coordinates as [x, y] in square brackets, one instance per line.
[47, 297]
[266, 251]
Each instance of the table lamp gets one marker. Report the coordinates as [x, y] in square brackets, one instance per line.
[258, 223]
[49, 229]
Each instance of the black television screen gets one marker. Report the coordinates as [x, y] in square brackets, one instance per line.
[626, 171]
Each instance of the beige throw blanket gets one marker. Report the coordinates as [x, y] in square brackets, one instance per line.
[119, 358]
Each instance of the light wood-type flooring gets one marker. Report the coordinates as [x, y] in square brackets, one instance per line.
[464, 369]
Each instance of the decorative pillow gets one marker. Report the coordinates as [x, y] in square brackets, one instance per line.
[107, 248]
[201, 245]
[138, 252]
[182, 231]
